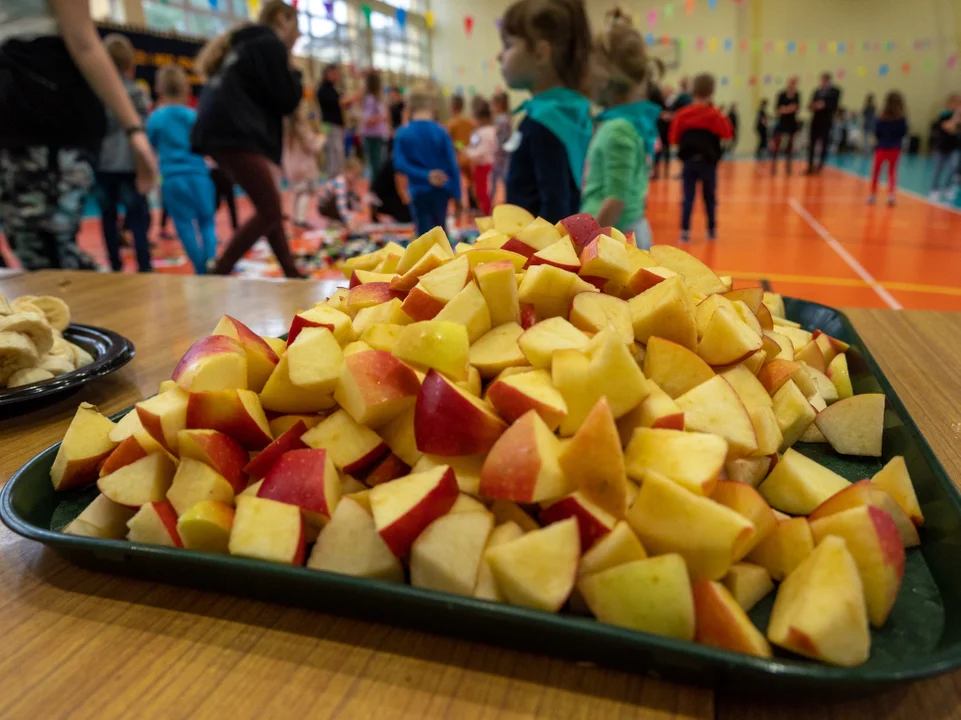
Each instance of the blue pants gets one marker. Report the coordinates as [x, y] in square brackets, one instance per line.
[191, 202]
[944, 167]
[115, 189]
[706, 173]
[430, 210]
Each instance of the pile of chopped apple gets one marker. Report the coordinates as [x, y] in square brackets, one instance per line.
[548, 417]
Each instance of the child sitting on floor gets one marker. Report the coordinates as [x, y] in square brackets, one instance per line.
[337, 198]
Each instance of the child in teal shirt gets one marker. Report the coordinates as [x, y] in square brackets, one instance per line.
[615, 191]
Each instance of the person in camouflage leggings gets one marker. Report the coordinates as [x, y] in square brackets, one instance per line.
[42, 193]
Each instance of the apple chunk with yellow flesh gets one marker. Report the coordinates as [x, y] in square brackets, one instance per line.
[497, 350]
[323, 316]
[593, 522]
[155, 524]
[865, 492]
[664, 513]
[103, 518]
[261, 358]
[855, 425]
[468, 308]
[281, 395]
[267, 530]
[874, 543]
[499, 288]
[593, 312]
[652, 595]
[195, 482]
[894, 478]
[436, 344]
[258, 468]
[315, 360]
[666, 310]
[614, 374]
[748, 584]
[515, 395]
[375, 387]
[794, 413]
[840, 375]
[548, 336]
[219, 451]
[86, 444]
[523, 465]
[402, 508]
[560, 254]
[238, 413]
[727, 340]
[141, 482]
[538, 569]
[698, 275]
[745, 383]
[206, 526]
[349, 544]
[216, 362]
[714, 407]
[798, 484]
[618, 547]
[447, 555]
[606, 258]
[820, 610]
[594, 461]
[449, 421]
[674, 368]
[445, 282]
[164, 416]
[693, 460]
[748, 502]
[722, 623]
[784, 548]
[485, 588]
[352, 446]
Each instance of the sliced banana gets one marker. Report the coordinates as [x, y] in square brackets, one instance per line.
[24, 303]
[61, 348]
[17, 352]
[55, 310]
[81, 358]
[33, 325]
[55, 365]
[5, 308]
[28, 376]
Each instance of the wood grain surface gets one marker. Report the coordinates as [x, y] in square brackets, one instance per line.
[79, 644]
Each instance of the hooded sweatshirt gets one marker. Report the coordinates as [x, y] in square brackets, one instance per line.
[551, 147]
[617, 164]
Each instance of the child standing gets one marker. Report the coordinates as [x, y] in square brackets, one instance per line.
[546, 51]
[501, 106]
[188, 192]
[116, 172]
[698, 130]
[301, 145]
[760, 126]
[482, 153]
[461, 127]
[947, 129]
[423, 152]
[889, 132]
[615, 190]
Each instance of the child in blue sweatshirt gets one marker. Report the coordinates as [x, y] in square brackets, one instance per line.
[188, 192]
[546, 51]
[423, 151]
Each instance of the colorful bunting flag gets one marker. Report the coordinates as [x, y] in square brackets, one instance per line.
[699, 44]
[905, 68]
[841, 73]
[862, 71]
[728, 44]
[781, 45]
[952, 61]
[712, 44]
[712, 4]
[401, 18]
[649, 38]
[791, 47]
[752, 81]
[744, 44]
[669, 10]
[366, 10]
[689, 6]
[468, 25]
[430, 19]
[832, 48]
[842, 48]
[802, 48]
[652, 19]
[883, 70]
[723, 80]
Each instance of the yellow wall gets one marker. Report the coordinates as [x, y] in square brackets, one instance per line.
[776, 21]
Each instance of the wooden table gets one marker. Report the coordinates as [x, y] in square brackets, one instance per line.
[79, 644]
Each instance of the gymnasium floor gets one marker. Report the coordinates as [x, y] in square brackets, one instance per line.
[813, 238]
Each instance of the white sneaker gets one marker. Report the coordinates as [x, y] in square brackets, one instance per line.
[935, 195]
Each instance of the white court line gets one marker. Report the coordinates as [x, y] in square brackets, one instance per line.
[920, 196]
[844, 254]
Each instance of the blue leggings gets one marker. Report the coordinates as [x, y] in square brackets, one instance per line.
[191, 199]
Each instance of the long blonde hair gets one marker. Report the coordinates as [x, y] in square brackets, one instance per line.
[620, 54]
[211, 57]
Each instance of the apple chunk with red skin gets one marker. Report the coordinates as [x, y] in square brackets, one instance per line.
[515, 395]
[523, 466]
[449, 421]
[258, 468]
[593, 522]
[375, 387]
[402, 508]
[206, 526]
[138, 483]
[692, 460]
[873, 541]
[305, 478]
[582, 228]
[265, 529]
[238, 413]
[86, 444]
[722, 623]
[156, 524]
[349, 544]
[352, 446]
[195, 482]
[219, 451]
[164, 416]
[820, 610]
[261, 358]
[129, 451]
[216, 362]
[866, 492]
[894, 478]
[855, 425]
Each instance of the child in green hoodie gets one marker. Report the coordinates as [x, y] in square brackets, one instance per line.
[615, 191]
[547, 46]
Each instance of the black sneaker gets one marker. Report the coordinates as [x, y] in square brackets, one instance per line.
[685, 236]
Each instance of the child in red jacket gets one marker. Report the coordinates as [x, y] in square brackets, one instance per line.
[698, 130]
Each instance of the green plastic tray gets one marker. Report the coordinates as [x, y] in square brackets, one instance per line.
[922, 637]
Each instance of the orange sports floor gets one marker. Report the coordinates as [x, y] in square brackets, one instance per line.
[808, 237]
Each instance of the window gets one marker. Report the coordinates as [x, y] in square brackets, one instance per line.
[345, 37]
[194, 17]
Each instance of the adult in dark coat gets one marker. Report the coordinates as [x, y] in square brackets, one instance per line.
[252, 85]
[824, 106]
